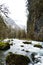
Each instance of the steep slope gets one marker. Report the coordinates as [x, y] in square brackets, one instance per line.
[9, 29]
[35, 19]
[12, 23]
[3, 28]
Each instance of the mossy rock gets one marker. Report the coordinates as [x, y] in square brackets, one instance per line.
[1, 38]
[4, 46]
[16, 59]
[38, 45]
[27, 42]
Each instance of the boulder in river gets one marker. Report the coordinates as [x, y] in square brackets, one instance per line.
[26, 42]
[4, 46]
[16, 59]
[38, 45]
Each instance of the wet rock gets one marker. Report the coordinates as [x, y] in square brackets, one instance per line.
[38, 45]
[11, 43]
[34, 59]
[15, 59]
[4, 46]
[22, 46]
[27, 51]
[6, 41]
[11, 39]
[33, 56]
[27, 42]
[37, 60]
[22, 50]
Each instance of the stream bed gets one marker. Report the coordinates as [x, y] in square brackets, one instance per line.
[18, 47]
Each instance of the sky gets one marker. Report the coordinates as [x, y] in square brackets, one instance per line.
[17, 10]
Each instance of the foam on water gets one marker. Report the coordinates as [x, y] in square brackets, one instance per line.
[20, 48]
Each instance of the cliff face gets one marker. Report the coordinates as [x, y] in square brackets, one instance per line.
[35, 19]
[3, 28]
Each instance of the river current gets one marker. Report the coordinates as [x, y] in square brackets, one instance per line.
[19, 47]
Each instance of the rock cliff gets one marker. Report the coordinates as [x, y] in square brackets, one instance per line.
[3, 28]
[35, 19]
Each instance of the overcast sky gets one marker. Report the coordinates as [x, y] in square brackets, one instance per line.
[17, 9]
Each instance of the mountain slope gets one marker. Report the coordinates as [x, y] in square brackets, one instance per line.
[14, 24]
[3, 28]
[35, 19]
[11, 23]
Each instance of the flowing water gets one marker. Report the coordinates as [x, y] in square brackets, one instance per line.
[19, 47]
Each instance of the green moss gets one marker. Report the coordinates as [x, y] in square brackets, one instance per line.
[38, 45]
[1, 39]
[4, 46]
[17, 59]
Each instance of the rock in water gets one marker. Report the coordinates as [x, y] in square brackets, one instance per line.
[4, 46]
[16, 59]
